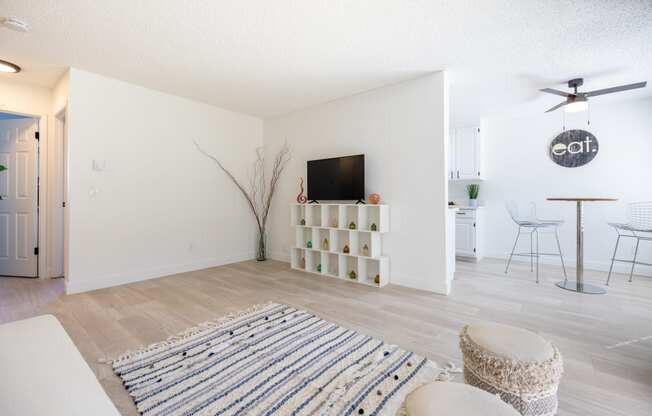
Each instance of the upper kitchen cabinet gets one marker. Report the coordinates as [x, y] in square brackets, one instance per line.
[465, 154]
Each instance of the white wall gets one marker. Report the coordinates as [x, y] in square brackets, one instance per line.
[24, 98]
[401, 131]
[160, 207]
[517, 167]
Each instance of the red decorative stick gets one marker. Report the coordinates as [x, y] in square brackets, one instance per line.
[301, 198]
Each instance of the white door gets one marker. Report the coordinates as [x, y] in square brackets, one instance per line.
[464, 238]
[18, 190]
[466, 153]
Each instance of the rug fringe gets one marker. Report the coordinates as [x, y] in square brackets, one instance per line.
[130, 354]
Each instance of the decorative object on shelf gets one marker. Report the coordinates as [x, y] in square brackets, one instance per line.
[302, 264]
[374, 199]
[573, 148]
[260, 193]
[324, 244]
[303, 221]
[353, 275]
[352, 225]
[309, 244]
[2, 168]
[319, 267]
[373, 227]
[301, 198]
[334, 223]
[377, 279]
[365, 250]
[473, 190]
[346, 249]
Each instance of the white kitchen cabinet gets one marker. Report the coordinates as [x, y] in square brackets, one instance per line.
[468, 233]
[465, 154]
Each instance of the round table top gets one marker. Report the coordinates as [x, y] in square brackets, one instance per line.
[582, 199]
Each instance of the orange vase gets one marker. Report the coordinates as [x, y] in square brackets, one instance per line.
[374, 199]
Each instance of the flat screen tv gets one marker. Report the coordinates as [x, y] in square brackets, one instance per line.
[336, 179]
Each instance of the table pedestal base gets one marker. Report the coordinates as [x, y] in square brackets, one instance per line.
[581, 287]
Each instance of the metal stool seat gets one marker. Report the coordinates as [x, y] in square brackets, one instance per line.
[638, 227]
[533, 225]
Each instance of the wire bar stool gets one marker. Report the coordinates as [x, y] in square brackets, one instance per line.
[638, 227]
[532, 224]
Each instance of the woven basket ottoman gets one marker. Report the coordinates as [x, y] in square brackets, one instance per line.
[519, 365]
[443, 398]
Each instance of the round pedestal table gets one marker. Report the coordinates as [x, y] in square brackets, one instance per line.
[578, 285]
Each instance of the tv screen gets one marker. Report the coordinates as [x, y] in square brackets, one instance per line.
[340, 178]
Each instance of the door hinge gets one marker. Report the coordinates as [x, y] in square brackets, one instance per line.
[37, 136]
[63, 204]
[474, 250]
[473, 225]
[36, 251]
[478, 173]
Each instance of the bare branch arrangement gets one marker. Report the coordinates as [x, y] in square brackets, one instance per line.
[258, 194]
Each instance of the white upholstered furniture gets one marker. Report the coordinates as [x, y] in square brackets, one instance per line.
[43, 373]
[519, 365]
[455, 399]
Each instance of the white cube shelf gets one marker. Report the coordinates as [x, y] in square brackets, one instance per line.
[322, 231]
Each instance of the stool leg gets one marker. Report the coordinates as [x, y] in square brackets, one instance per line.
[509, 260]
[537, 251]
[561, 256]
[631, 273]
[613, 259]
[531, 253]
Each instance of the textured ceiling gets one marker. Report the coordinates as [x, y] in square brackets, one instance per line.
[272, 57]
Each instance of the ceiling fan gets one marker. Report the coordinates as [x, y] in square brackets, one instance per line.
[578, 101]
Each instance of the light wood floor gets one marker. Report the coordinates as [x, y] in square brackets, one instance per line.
[601, 377]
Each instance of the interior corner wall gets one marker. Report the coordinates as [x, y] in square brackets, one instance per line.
[401, 129]
[153, 205]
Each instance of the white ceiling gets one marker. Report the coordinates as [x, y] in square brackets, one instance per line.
[268, 58]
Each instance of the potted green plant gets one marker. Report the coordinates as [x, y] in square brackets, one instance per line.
[2, 168]
[473, 190]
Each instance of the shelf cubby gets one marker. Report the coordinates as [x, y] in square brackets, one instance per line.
[330, 215]
[296, 257]
[373, 214]
[324, 234]
[303, 235]
[313, 259]
[313, 215]
[330, 264]
[342, 240]
[297, 213]
[372, 240]
[351, 265]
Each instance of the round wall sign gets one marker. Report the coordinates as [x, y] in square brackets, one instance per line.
[574, 148]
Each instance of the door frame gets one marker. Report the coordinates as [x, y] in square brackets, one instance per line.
[46, 173]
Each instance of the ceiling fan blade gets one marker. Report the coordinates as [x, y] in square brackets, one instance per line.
[556, 92]
[615, 89]
[557, 106]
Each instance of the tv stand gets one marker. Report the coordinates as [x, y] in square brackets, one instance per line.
[313, 201]
[361, 202]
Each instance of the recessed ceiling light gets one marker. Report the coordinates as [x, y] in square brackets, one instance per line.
[8, 67]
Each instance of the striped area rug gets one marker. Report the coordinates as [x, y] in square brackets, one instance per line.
[272, 360]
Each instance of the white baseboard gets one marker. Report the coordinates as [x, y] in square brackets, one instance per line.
[601, 266]
[100, 282]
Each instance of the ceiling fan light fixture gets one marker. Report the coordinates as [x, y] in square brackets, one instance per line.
[576, 106]
[8, 67]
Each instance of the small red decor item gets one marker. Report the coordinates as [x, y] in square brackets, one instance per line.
[301, 198]
[374, 199]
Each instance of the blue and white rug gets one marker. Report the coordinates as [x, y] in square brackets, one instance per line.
[272, 360]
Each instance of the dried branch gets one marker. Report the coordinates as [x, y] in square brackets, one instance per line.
[259, 196]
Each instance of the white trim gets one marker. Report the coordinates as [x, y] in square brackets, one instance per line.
[100, 282]
[600, 266]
